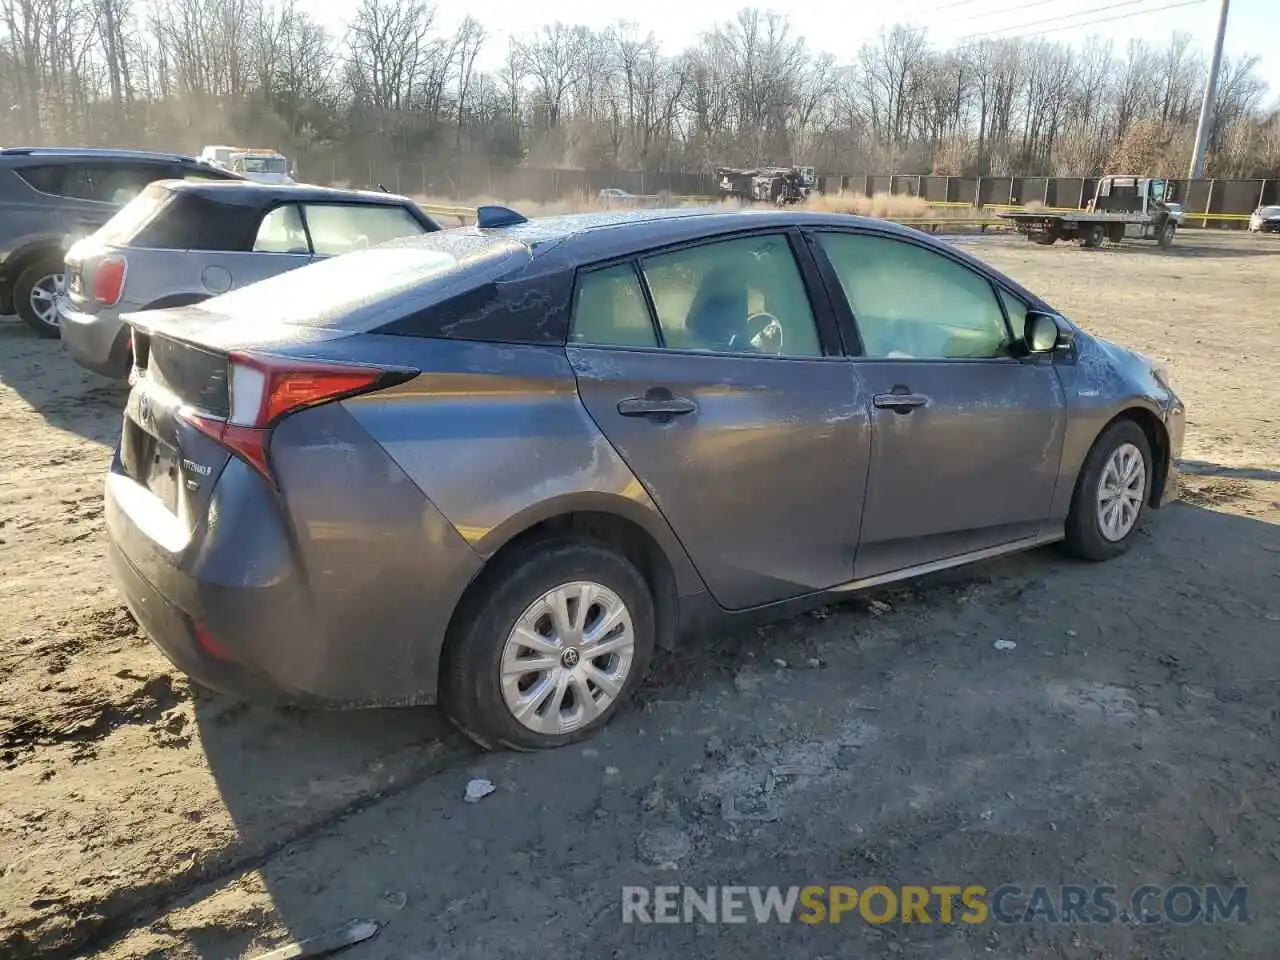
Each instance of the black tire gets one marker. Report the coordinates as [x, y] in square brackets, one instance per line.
[471, 692]
[1167, 231]
[48, 266]
[1043, 239]
[1091, 236]
[1084, 536]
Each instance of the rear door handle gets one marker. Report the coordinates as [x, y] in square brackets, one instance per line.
[655, 406]
[900, 402]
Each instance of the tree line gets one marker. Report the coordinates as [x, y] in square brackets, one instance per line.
[394, 85]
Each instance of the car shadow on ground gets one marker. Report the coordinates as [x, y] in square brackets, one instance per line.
[69, 397]
[1194, 245]
[1203, 468]
[371, 803]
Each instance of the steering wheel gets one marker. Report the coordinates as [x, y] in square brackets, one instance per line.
[360, 243]
[763, 335]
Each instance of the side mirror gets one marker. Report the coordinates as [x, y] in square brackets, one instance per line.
[1041, 332]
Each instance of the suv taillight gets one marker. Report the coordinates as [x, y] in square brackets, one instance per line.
[108, 280]
[264, 390]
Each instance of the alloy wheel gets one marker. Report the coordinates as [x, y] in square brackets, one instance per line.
[44, 297]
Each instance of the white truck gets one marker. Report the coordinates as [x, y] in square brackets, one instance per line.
[264, 166]
[219, 155]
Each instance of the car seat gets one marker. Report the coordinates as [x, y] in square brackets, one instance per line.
[719, 309]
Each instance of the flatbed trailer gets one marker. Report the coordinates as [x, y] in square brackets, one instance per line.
[1123, 208]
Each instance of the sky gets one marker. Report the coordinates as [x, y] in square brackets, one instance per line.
[839, 29]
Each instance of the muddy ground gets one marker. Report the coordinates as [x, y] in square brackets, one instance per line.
[1127, 739]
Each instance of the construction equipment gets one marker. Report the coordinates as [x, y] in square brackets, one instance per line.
[778, 185]
[1123, 207]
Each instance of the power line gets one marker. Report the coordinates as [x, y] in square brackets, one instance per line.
[1090, 23]
[946, 6]
[1015, 9]
[1067, 16]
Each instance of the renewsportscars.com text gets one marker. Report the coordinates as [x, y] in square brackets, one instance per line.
[939, 903]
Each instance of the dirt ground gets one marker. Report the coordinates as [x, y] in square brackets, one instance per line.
[1127, 739]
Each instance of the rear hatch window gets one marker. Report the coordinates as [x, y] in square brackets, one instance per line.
[358, 291]
[135, 216]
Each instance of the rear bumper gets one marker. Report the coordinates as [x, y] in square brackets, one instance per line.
[97, 341]
[175, 634]
[338, 594]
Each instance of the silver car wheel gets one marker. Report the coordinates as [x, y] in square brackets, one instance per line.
[44, 297]
[1121, 490]
[567, 658]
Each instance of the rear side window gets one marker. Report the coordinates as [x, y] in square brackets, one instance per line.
[113, 183]
[45, 179]
[738, 296]
[282, 231]
[609, 309]
[340, 228]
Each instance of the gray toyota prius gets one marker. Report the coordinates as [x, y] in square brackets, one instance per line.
[494, 466]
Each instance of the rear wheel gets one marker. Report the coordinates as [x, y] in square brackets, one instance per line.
[1043, 239]
[35, 295]
[1111, 493]
[1091, 236]
[550, 647]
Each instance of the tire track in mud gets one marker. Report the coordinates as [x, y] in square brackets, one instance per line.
[75, 702]
[100, 922]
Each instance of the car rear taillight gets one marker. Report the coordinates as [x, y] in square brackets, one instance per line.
[108, 280]
[264, 390]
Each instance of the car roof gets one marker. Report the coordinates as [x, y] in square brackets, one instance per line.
[602, 234]
[250, 194]
[97, 153]
[568, 241]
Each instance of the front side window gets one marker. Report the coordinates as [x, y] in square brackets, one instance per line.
[609, 310]
[338, 228]
[281, 231]
[734, 296]
[913, 303]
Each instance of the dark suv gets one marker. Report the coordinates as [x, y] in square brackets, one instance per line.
[52, 196]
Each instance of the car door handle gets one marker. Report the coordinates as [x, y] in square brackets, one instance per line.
[900, 402]
[655, 406]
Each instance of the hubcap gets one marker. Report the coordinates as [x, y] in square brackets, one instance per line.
[1121, 491]
[567, 658]
[44, 293]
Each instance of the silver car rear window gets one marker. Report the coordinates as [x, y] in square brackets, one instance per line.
[134, 216]
[360, 290]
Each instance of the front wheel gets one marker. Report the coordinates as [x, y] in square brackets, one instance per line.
[1167, 231]
[1111, 493]
[547, 652]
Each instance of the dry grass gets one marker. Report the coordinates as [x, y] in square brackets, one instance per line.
[881, 205]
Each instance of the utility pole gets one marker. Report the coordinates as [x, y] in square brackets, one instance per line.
[1210, 93]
